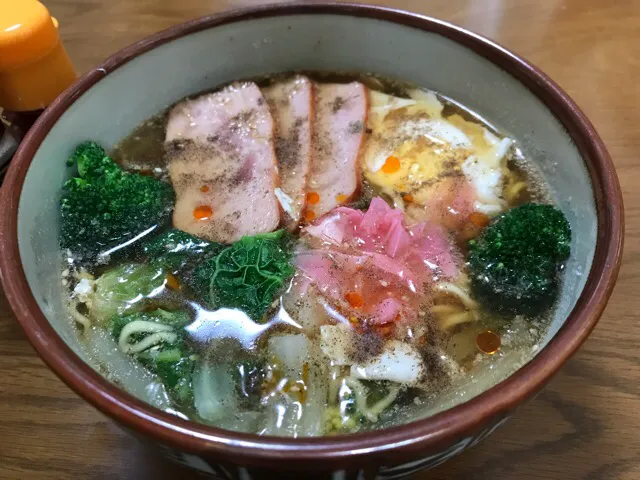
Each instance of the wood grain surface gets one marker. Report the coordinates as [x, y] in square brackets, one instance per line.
[584, 425]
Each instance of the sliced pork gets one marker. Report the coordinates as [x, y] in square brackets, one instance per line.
[340, 119]
[292, 109]
[222, 164]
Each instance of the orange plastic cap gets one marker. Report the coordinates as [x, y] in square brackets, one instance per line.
[27, 33]
[34, 67]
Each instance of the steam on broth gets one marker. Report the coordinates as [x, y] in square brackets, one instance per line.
[308, 255]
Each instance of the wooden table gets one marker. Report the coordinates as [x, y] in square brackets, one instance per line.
[585, 425]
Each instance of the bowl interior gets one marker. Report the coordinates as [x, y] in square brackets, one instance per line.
[152, 81]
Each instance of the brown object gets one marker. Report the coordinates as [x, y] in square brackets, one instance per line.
[583, 425]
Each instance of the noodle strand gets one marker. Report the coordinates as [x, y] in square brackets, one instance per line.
[159, 333]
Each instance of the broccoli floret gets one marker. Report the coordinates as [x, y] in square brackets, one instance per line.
[245, 275]
[177, 250]
[515, 261]
[105, 207]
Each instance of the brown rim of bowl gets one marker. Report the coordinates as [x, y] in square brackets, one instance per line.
[397, 442]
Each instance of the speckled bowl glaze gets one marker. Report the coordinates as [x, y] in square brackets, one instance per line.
[141, 80]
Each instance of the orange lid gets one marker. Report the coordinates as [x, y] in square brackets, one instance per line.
[34, 67]
[27, 32]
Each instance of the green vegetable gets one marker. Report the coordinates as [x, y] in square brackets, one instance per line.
[173, 363]
[294, 358]
[104, 207]
[175, 368]
[178, 250]
[348, 405]
[336, 422]
[514, 263]
[214, 391]
[125, 289]
[360, 402]
[377, 390]
[245, 275]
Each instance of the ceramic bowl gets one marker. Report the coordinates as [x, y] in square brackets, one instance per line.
[141, 80]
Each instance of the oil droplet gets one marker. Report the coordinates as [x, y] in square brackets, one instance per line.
[479, 219]
[203, 212]
[408, 198]
[391, 165]
[171, 282]
[313, 198]
[309, 215]
[385, 330]
[204, 188]
[341, 198]
[488, 342]
[354, 299]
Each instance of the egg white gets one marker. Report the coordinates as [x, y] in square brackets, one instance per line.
[395, 122]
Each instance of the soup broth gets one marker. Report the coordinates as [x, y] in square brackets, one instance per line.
[310, 254]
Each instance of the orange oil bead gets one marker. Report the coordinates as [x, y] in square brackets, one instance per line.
[354, 299]
[171, 282]
[313, 198]
[488, 342]
[202, 212]
[391, 165]
[479, 219]
[385, 330]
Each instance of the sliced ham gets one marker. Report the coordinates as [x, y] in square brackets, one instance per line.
[222, 164]
[292, 110]
[339, 131]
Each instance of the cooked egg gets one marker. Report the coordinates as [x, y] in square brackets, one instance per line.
[448, 166]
